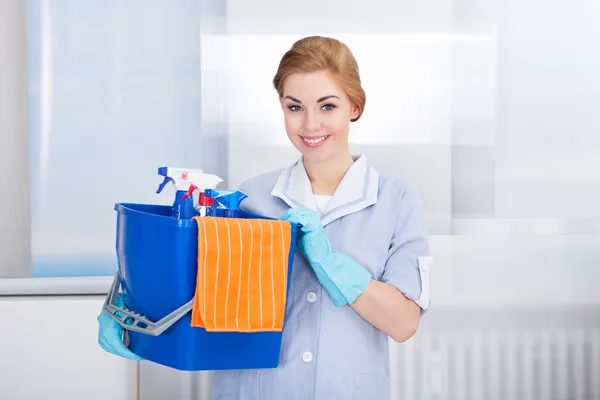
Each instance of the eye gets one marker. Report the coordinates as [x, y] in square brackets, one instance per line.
[294, 108]
[328, 107]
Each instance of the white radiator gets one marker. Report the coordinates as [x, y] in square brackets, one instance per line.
[509, 364]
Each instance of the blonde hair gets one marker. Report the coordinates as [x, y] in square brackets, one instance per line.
[317, 53]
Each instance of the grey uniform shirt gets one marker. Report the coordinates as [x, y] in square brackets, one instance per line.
[330, 352]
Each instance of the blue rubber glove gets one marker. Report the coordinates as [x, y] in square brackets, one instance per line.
[343, 278]
[110, 335]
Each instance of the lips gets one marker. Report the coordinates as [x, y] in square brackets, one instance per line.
[315, 141]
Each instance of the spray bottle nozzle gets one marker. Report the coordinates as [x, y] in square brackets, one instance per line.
[180, 177]
[201, 181]
[212, 193]
[229, 200]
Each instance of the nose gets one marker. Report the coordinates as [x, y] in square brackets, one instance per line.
[311, 122]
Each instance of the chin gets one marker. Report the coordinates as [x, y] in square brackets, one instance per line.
[317, 155]
[311, 156]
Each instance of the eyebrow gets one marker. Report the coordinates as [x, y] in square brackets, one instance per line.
[318, 101]
[295, 100]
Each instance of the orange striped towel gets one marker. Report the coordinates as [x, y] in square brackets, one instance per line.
[242, 274]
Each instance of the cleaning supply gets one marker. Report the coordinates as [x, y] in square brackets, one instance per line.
[183, 206]
[205, 203]
[229, 202]
[202, 182]
[342, 277]
[242, 274]
[158, 272]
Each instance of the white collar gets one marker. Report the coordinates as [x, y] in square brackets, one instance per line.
[357, 190]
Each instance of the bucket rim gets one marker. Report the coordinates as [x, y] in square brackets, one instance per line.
[133, 210]
[136, 210]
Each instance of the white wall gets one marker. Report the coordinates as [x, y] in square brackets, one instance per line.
[49, 350]
[489, 119]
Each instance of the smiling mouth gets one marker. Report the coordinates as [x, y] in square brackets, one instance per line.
[315, 140]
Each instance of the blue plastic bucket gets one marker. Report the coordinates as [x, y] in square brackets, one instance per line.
[158, 264]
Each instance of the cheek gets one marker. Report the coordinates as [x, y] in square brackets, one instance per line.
[292, 124]
[339, 127]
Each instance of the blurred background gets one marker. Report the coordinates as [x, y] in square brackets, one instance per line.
[491, 108]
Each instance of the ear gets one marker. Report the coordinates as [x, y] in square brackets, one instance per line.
[354, 112]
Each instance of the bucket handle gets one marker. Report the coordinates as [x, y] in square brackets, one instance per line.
[134, 320]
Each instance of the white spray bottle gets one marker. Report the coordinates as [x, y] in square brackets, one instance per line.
[201, 182]
[182, 206]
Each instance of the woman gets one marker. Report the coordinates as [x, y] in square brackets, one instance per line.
[363, 277]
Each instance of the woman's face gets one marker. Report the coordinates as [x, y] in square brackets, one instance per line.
[317, 115]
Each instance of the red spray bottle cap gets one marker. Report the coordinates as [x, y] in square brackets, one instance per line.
[204, 200]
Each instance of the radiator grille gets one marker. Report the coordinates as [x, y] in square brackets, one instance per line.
[539, 364]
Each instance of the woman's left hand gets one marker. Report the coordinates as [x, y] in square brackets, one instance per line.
[343, 278]
[313, 242]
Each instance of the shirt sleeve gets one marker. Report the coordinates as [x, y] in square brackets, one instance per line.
[408, 262]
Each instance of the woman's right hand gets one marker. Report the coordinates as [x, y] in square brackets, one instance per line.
[110, 335]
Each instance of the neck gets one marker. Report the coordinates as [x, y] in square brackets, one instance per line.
[325, 176]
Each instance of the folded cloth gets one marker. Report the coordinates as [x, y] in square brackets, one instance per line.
[242, 276]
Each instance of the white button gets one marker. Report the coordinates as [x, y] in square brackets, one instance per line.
[311, 297]
[307, 356]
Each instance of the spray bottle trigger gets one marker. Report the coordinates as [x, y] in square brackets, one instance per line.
[164, 183]
[189, 192]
